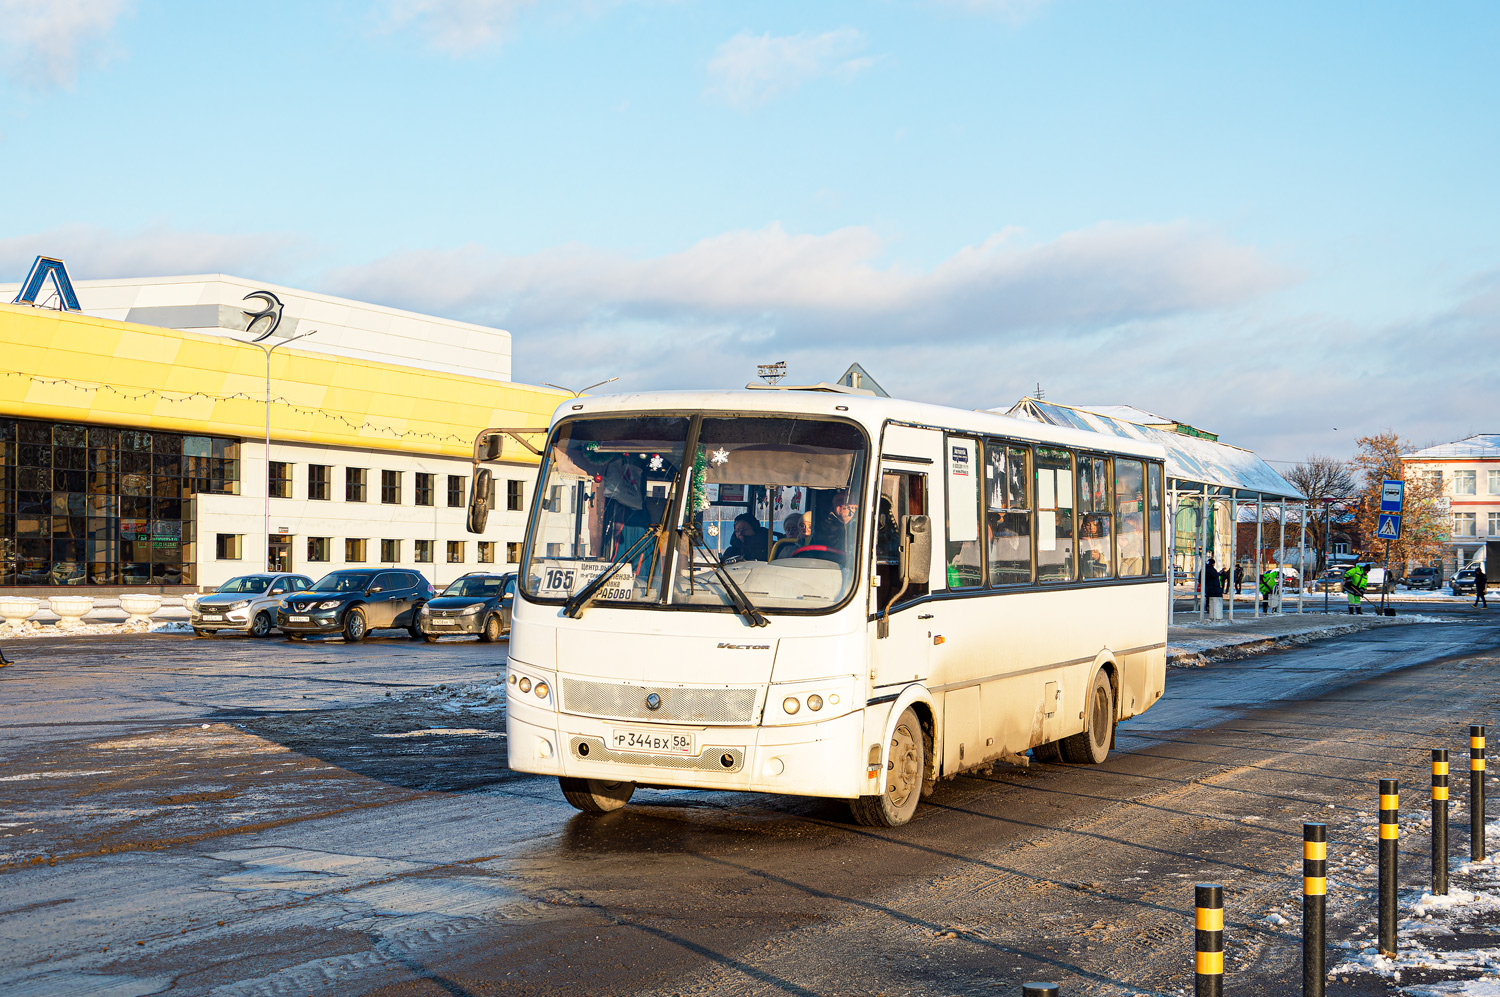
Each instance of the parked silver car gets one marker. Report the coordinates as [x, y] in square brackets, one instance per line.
[246, 604]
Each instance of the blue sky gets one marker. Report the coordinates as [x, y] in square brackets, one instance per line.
[1276, 221]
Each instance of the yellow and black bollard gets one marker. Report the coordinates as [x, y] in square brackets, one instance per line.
[1039, 990]
[1476, 792]
[1389, 834]
[1440, 822]
[1314, 907]
[1209, 941]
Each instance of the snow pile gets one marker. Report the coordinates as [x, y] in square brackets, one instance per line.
[470, 697]
[31, 629]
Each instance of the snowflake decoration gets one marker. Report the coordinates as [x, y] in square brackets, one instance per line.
[656, 462]
[712, 529]
[721, 456]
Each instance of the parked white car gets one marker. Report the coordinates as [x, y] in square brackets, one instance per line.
[246, 604]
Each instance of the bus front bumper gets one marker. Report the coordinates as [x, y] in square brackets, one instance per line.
[816, 759]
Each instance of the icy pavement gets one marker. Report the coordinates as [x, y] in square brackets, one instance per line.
[1195, 644]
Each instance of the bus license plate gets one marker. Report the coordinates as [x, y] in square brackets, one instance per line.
[667, 742]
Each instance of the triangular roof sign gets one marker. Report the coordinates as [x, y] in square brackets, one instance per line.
[43, 268]
[857, 377]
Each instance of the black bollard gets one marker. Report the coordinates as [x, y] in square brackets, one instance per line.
[1209, 941]
[1476, 792]
[1314, 907]
[1440, 822]
[1389, 832]
[1039, 990]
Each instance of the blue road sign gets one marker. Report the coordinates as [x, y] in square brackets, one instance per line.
[1389, 527]
[1392, 492]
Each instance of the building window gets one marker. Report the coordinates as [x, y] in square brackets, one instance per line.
[1494, 482]
[514, 496]
[1463, 482]
[426, 485]
[455, 491]
[424, 551]
[1434, 481]
[390, 551]
[318, 477]
[1463, 524]
[513, 553]
[281, 479]
[227, 546]
[1494, 524]
[354, 551]
[455, 552]
[354, 484]
[390, 487]
[319, 548]
[486, 552]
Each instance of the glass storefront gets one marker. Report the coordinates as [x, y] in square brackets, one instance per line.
[96, 505]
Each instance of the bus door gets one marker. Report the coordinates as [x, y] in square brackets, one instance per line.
[909, 486]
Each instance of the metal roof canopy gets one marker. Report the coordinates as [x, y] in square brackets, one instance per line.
[1192, 462]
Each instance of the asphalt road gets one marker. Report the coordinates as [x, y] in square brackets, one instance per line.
[253, 817]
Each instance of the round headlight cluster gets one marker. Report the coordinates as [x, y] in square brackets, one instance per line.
[525, 684]
[792, 705]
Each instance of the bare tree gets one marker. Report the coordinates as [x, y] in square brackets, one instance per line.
[1325, 481]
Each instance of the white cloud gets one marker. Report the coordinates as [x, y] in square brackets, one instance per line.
[44, 42]
[751, 69]
[458, 27]
[92, 252]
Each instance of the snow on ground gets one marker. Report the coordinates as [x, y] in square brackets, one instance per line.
[1472, 907]
[470, 697]
[32, 629]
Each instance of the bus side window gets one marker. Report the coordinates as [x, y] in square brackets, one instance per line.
[1054, 515]
[902, 493]
[1008, 516]
[1130, 505]
[1153, 472]
[1096, 543]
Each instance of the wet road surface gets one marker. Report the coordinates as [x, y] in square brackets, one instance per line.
[251, 817]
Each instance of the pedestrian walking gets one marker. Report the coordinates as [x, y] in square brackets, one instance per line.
[1239, 577]
[1355, 580]
[1213, 590]
[1479, 583]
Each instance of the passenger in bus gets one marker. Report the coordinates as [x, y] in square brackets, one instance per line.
[752, 542]
[837, 530]
[798, 534]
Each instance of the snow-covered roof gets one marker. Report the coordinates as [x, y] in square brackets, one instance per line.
[1191, 460]
[1128, 413]
[1485, 446]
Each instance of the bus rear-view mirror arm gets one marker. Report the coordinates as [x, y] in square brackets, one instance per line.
[915, 564]
[487, 447]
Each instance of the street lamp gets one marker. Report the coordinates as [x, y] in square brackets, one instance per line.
[273, 311]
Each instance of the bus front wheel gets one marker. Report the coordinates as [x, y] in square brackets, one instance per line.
[1091, 746]
[905, 766]
[595, 796]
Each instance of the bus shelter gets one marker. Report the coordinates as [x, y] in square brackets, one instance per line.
[1208, 484]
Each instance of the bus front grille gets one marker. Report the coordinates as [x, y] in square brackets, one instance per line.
[673, 704]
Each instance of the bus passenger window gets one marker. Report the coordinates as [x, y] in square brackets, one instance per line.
[965, 564]
[901, 494]
[1095, 520]
[1153, 472]
[1130, 506]
[1008, 518]
[1054, 515]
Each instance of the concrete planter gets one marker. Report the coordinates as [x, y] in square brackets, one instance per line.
[15, 610]
[71, 609]
[138, 608]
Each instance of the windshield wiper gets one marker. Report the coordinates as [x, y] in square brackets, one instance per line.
[742, 603]
[578, 601]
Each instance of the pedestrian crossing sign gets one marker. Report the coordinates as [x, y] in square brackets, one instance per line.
[1389, 527]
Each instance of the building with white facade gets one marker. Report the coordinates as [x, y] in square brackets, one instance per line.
[1465, 476]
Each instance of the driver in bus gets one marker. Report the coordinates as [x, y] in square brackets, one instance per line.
[751, 542]
[836, 531]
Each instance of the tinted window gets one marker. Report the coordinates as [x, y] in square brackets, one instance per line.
[248, 584]
[353, 581]
[389, 580]
[478, 586]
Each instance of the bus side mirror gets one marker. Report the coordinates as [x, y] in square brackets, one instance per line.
[481, 494]
[490, 447]
[916, 549]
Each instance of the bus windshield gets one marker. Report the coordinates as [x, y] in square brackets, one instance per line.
[773, 502]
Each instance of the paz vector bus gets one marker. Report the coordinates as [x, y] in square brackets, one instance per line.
[824, 593]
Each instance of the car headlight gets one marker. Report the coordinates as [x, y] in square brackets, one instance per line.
[240, 605]
[471, 610]
[330, 604]
[426, 611]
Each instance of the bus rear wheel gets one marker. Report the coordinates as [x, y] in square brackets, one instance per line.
[1091, 746]
[905, 766]
[595, 796]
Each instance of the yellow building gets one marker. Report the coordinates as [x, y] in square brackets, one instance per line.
[135, 455]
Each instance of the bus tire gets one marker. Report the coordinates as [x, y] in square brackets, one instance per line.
[905, 767]
[595, 796]
[1091, 746]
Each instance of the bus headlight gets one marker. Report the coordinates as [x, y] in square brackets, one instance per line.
[524, 685]
[815, 702]
[827, 698]
[790, 705]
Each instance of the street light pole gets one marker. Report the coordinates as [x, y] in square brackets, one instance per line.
[268, 350]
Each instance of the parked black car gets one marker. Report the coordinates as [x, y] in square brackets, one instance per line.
[478, 603]
[1463, 582]
[355, 601]
[1425, 578]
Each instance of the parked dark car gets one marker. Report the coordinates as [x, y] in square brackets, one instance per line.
[1330, 580]
[1463, 582]
[1425, 578]
[478, 603]
[355, 601]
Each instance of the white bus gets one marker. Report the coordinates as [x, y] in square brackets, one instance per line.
[825, 593]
